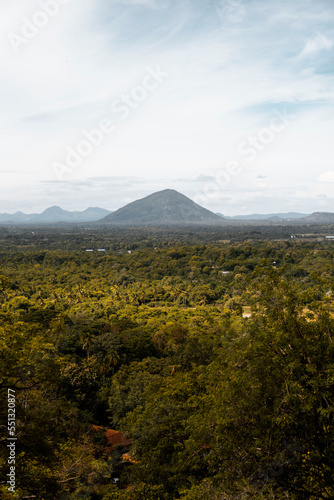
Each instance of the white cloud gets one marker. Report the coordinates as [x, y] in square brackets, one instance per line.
[316, 44]
[145, 3]
[327, 176]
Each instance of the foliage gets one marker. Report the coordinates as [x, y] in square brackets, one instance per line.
[154, 343]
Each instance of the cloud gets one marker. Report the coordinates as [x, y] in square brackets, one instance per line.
[230, 12]
[327, 176]
[197, 178]
[145, 3]
[316, 44]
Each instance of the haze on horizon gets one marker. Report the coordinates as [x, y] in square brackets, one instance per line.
[229, 102]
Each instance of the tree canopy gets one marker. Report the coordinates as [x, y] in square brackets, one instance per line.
[216, 360]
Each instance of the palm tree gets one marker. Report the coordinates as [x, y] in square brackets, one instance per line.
[87, 340]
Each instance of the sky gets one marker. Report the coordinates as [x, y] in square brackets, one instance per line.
[229, 102]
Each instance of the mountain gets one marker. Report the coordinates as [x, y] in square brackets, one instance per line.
[277, 217]
[165, 207]
[320, 218]
[94, 213]
[55, 214]
[17, 218]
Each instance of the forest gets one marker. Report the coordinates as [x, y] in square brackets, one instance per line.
[212, 355]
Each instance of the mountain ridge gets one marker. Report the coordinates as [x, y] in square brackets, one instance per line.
[320, 217]
[283, 216]
[166, 207]
[56, 214]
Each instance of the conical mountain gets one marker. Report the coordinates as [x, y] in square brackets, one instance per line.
[165, 207]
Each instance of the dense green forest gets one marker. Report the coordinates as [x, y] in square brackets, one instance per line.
[215, 359]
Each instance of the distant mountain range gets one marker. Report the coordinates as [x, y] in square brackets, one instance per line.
[55, 214]
[283, 216]
[167, 207]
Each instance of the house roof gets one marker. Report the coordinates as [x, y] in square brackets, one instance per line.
[114, 438]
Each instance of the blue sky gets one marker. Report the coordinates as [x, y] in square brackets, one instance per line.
[241, 119]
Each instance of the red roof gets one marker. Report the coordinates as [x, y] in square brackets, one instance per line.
[114, 438]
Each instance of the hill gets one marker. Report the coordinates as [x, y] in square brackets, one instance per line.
[165, 207]
[275, 216]
[320, 218]
[55, 214]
